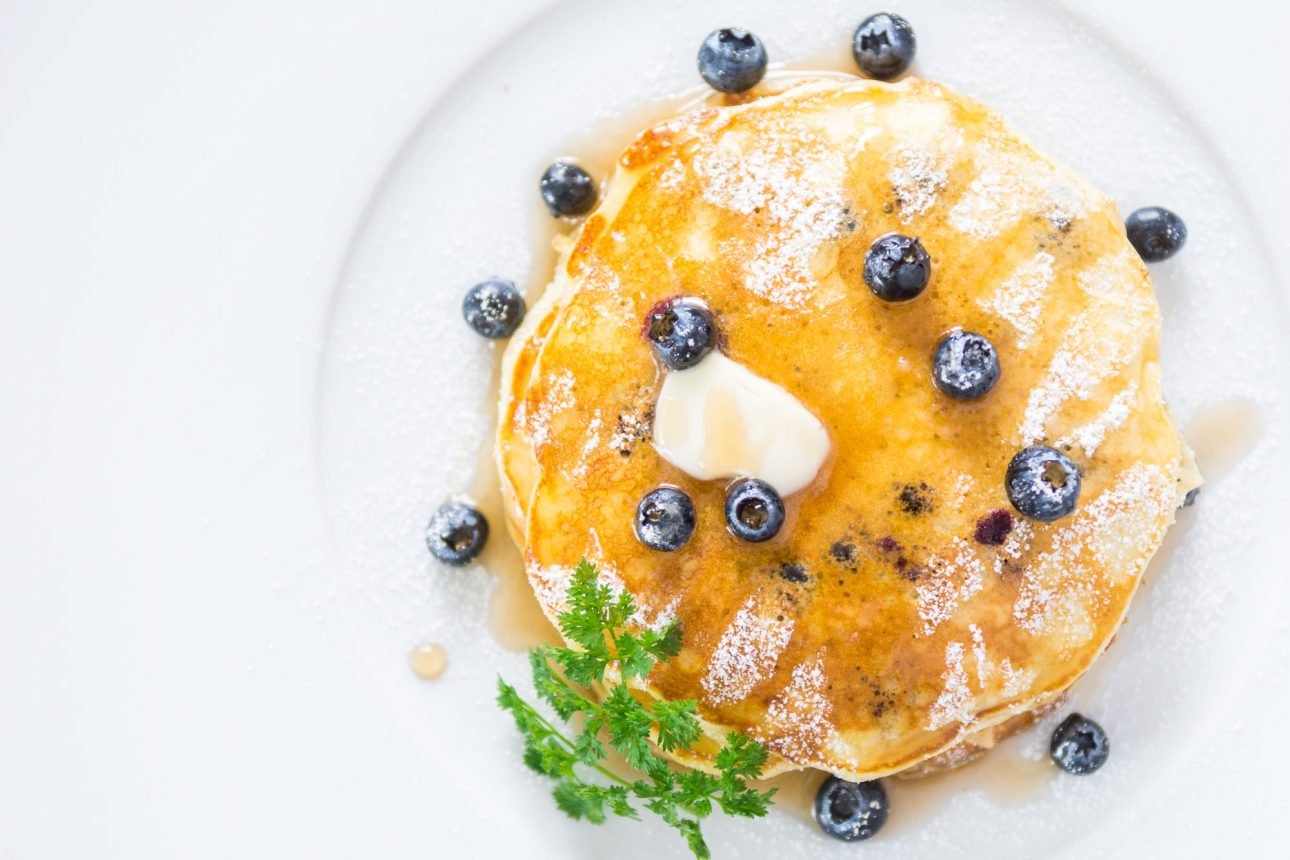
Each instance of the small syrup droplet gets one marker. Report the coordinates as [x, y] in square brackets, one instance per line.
[428, 661]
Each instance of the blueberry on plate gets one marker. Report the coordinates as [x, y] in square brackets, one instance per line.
[568, 190]
[732, 60]
[1155, 232]
[754, 511]
[494, 308]
[1079, 745]
[1190, 498]
[457, 534]
[665, 519]
[681, 333]
[897, 268]
[966, 365]
[1043, 483]
[851, 811]
[883, 45]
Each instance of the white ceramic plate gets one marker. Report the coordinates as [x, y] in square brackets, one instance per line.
[236, 383]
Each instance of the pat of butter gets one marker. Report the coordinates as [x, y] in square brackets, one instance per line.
[721, 420]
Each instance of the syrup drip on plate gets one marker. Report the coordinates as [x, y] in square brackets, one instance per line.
[428, 661]
[515, 619]
[1007, 779]
[1223, 433]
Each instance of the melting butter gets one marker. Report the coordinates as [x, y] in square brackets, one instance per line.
[721, 420]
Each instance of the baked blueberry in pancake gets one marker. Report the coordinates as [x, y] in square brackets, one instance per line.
[958, 529]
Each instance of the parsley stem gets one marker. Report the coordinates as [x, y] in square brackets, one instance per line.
[559, 736]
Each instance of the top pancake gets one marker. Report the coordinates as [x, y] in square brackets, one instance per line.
[874, 632]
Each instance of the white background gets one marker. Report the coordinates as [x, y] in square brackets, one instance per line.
[179, 183]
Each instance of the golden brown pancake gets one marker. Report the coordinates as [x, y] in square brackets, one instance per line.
[876, 631]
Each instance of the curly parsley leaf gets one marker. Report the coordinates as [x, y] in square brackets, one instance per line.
[553, 689]
[586, 622]
[663, 646]
[741, 758]
[678, 727]
[585, 789]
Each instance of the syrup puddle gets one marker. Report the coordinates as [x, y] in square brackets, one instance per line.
[1223, 433]
[428, 661]
[515, 619]
[795, 792]
[1005, 777]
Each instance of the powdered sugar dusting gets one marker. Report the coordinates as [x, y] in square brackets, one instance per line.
[797, 722]
[1062, 592]
[672, 176]
[551, 582]
[1115, 278]
[1019, 299]
[589, 446]
[984, 668]
[551, 585]
[954, 704]
[1062, 205]
[656, 621]
[1101, 340]
[1008, 187]
[1017, 543]
[629, 430]
[747, 651]
[963, 484]
[992, 201]
[1083, 359]
[794, 179]
[950, 581]
[1015, 681]
[916, 179]
[536, 421]
[1091, 435]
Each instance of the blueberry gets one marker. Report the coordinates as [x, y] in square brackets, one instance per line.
[493, 308]
[993, 528]
[1155, 232]
[1043, 483]
[681, 332]
[1190, 498]
[966, 365]
[457, 534]
[754, 511]
[883, 45]
[568, 190]
[851, 811]
[1079, 745]
[732, 60]
[897, 268]
[665, 519]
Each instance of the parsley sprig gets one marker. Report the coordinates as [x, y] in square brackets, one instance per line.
[584, 787]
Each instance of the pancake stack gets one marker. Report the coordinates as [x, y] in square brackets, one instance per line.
[906, 614]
